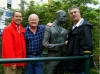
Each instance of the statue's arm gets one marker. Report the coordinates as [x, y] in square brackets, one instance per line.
[46, 40]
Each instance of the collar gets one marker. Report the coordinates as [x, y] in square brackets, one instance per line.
[15, 27]
[79, 23]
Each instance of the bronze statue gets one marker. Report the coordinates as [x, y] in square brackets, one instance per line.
[54, 40]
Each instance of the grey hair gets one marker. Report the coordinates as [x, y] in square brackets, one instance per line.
[73, 8]
[33, 15]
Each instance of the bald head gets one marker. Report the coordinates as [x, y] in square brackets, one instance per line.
[33, 16]
[33, 20]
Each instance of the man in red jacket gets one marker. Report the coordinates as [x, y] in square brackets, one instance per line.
[13, 44]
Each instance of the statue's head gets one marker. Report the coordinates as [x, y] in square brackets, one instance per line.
[61, 16]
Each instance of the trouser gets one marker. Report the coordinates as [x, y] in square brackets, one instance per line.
[8, 70]
[34, 67]
[55, 68]
[79, 73]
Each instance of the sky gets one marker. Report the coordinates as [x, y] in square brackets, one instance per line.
[95, 6]
[99, 1]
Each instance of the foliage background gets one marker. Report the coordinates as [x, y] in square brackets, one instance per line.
[47, 13]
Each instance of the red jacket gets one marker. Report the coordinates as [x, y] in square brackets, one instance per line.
[13, 43]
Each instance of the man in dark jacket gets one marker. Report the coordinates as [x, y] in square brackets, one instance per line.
[79, 40]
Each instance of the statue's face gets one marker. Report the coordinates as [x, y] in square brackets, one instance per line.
[62, 17]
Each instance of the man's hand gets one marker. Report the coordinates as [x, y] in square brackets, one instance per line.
[13, 67]
[66, 42]
[49, 24]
